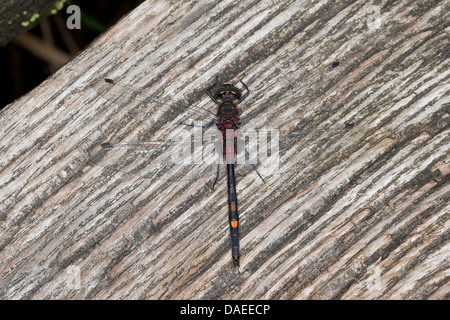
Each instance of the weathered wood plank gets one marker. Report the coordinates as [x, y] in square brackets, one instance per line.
[362, 214]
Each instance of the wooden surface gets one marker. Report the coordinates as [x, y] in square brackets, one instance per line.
[362, 214]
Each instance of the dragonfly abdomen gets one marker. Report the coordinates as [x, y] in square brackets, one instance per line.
[233, 215]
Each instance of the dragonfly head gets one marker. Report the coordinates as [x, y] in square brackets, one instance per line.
[227, 92]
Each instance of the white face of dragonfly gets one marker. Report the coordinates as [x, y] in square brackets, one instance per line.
[227, 92]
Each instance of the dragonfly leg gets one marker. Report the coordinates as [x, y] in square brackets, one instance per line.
[208, 91]
[260, 176]
[211, 96]
[217, 176]
[245, 95]
[254, 166]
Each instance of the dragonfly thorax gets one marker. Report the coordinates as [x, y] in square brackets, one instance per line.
[227, 116]
[228, 122]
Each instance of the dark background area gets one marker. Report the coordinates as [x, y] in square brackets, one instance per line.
[22, 69]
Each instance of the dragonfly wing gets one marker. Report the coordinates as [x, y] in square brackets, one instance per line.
[122, 94]
[280, 152]
[153, 160]
[130, 157]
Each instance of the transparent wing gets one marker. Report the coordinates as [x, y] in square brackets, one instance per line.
[186, 159]
[122, 94]
[154, 160]
[148, 159]
[277, 151]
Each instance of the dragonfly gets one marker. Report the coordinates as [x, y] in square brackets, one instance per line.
[228, 144]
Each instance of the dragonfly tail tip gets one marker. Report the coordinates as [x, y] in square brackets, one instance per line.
[349, 125]
[106, 145]
[236, 262]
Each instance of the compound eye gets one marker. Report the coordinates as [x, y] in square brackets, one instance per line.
[236, 94]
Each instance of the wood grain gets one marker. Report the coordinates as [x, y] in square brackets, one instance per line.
[360, 214]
